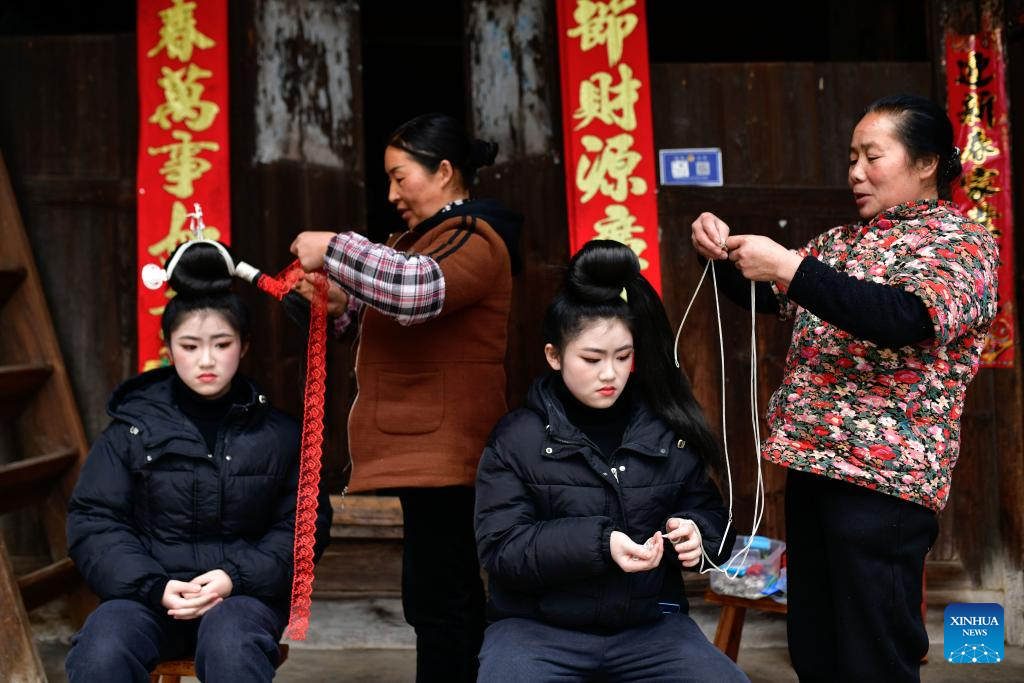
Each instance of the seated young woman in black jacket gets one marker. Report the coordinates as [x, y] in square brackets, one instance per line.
[579, 491]
[183, 518]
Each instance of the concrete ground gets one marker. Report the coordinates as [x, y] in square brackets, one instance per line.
[367, 641]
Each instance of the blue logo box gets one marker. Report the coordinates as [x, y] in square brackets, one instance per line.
[973, 633]
[696, 166]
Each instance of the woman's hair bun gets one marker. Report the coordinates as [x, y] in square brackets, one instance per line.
[953, 168]
[201, 270]
[600, 270]
[482, 153]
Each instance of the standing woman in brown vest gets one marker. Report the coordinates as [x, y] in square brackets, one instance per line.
[432, 305]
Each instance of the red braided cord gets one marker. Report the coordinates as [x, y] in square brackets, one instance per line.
[312, 440]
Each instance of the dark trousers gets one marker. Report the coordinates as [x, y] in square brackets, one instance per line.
[855, 561]
[442, 594]
[672, 649]
[124, 640]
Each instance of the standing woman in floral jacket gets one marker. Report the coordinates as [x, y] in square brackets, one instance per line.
[891, 315]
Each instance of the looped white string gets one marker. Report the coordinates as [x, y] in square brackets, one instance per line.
[759, 497]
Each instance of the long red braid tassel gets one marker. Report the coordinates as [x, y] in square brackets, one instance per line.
[312, 440]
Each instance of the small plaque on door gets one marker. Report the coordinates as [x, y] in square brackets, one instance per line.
[695, 166]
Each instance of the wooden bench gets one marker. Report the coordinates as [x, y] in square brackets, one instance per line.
[172, 671]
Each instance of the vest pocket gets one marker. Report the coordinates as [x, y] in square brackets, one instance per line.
[409, 403]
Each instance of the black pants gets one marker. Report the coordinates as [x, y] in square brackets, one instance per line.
[855, 561]
[442, 594]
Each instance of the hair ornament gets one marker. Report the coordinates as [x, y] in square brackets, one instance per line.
[154, 277]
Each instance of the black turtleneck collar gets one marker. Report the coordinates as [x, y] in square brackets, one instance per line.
[205, 413]
[604, 426]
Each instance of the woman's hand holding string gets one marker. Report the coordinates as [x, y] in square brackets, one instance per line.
[633, 557]
[337, 298]
[709, 234]
[685, 539]
[310, 248]
[762, 259]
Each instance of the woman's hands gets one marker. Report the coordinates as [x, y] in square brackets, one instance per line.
[759, 258]
[310, 248]
[192, 599]
[685, 539]
[762, 259]
[337, 298]
[709, 234]
[632, 557]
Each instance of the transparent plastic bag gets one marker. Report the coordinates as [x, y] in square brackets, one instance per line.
[756, 576]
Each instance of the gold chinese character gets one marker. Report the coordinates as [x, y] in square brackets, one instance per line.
[610, 171]
[179, 35]
[599, 23]
[979, 147]
[178, 233]
[619, 225]
[978, 108]
[163, 358]
[986, 214]
[182, 99]
[979, 184]
[184, 165]
[611, 104]
[971, 70]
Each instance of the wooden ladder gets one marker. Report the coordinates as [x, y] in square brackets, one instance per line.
[42, 444]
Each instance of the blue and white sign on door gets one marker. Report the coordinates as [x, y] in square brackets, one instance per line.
[696, 166]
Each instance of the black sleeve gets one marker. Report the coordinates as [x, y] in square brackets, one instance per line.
[887, 316]
[699, 501]
[523, 551]
[103, 541]
[737, 288]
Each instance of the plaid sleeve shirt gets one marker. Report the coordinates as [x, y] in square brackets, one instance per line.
[409, 288]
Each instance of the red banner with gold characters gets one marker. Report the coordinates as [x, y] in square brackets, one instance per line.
[976, 87]
[183, 141]
[606, 117]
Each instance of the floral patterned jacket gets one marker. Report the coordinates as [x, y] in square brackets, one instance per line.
[889, 419]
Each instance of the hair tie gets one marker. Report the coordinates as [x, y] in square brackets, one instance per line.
[956, 152]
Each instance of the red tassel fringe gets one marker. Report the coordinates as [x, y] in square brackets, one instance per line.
[312, 440]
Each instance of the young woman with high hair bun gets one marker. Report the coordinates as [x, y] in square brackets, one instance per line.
[890, 317]
[183, 518]
[593, 497]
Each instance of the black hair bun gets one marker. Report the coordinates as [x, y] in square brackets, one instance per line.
[600, 270]
[201, 270]
[482, 153]
[953, 168]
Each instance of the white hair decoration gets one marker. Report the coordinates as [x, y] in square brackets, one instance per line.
[154, 277]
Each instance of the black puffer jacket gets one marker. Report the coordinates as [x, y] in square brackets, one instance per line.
[547, 502]
[152, 504]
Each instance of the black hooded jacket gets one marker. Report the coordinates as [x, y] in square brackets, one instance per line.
[547, 502]
[153, 504]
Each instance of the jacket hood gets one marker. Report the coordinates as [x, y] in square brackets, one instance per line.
[646, 432]
[146, 401]
[507, 223]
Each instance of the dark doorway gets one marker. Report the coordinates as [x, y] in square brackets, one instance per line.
[413, 63]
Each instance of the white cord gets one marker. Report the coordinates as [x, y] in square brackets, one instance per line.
[759, 496]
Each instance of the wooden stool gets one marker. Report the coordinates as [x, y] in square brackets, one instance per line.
[172, 671]
[734, 612]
